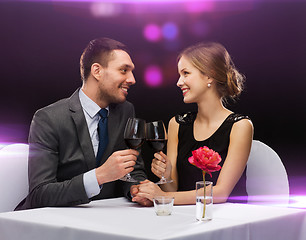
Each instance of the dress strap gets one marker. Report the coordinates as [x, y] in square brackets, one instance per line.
[186, 118]
[235, 117]
[189, 117]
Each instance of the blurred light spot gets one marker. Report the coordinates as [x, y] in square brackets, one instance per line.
[170, 31]
[152, 32]
[198, 7]
[13, 153]
[153, 76]
[269, 200]
[298, 201]
[106, 9]
[127, 1]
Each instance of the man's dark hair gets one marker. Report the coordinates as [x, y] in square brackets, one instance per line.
[98, 51]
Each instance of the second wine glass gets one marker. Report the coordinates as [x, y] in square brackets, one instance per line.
[156, 136]
[134, 137]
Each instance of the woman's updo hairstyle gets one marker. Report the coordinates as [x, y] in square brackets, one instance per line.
[213, 60]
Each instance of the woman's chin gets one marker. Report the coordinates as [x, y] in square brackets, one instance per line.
[186, 100]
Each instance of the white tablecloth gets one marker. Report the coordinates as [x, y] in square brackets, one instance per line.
[120, 219]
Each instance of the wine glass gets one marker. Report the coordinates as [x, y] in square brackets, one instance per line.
[156, 136]
[134, 137]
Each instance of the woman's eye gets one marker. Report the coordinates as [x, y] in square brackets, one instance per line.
[186, 73]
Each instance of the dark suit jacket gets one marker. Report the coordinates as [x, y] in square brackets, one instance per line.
[61, 152]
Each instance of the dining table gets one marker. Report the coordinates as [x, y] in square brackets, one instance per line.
[119, 218]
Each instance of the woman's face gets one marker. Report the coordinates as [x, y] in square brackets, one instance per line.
[191, 81]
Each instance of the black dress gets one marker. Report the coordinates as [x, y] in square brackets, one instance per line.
[188, 174]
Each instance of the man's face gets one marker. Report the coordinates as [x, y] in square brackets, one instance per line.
[116, 78]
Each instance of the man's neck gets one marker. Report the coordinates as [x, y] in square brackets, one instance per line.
[91, 91]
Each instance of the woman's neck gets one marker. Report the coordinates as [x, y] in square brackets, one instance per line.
[211, 110]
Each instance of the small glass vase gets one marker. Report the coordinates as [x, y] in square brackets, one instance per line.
[204, 200]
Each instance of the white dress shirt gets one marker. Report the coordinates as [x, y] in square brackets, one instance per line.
[91, 109]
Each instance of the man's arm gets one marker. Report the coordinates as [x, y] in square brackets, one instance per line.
[46, 189]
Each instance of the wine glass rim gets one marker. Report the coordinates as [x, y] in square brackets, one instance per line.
[156, 121]
[134, 118]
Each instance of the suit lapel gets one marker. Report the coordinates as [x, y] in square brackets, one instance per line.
[78, 117]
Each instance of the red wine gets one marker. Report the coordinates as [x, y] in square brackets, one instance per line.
[157, 144]
[134, 143]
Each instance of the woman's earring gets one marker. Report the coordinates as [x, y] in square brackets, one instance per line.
[209, 85]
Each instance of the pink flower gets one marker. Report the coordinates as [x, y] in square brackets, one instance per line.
[205, 159]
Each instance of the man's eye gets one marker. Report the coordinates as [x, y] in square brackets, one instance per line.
[123, 70]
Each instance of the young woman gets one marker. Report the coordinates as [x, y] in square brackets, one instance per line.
[208, 78]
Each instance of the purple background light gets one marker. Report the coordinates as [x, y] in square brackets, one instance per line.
[152, 32]
[170, 31]
[105, 9]
[298, 201]
[199, 6]
[132, 1]
[153, 76]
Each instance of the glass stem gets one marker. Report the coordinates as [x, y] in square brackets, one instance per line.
[163, 179]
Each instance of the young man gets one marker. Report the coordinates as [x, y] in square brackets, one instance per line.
[67, 166]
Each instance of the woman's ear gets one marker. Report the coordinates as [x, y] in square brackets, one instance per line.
[209, 81]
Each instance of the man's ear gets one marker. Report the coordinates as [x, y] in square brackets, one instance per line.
[96, 70]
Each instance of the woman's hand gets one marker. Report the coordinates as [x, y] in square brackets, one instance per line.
[149, 190]
[134, 190]
[161, 165]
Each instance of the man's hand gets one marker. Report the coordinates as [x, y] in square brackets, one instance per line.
[142, 201]
[116, 166]
[148, 190]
